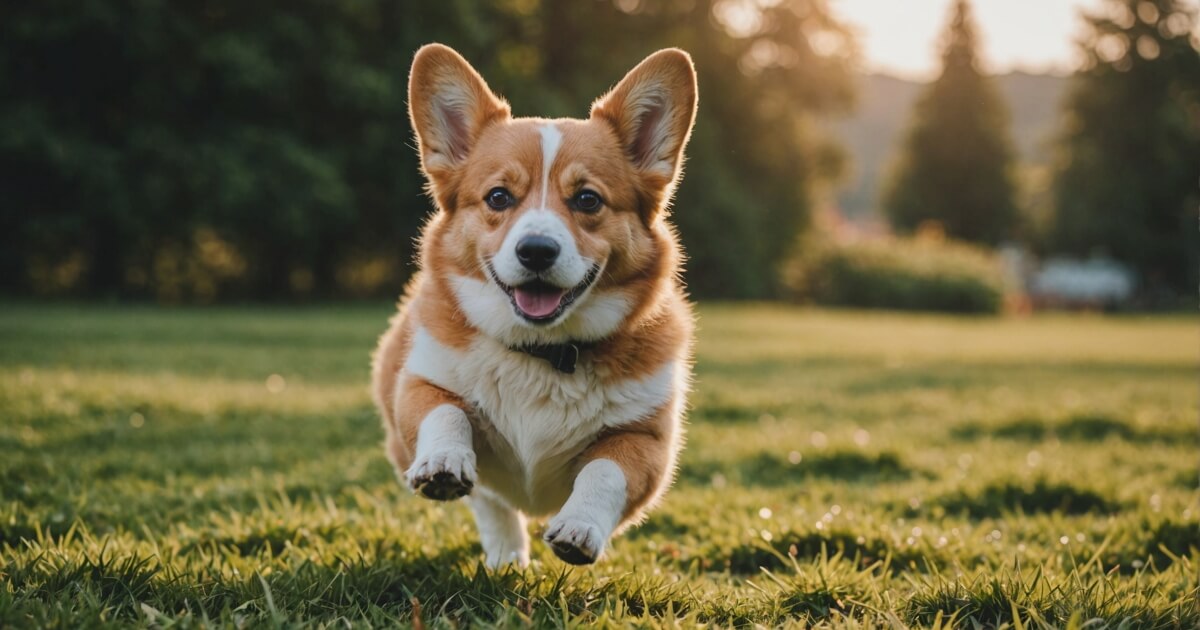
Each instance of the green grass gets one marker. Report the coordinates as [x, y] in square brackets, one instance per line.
[842, 468]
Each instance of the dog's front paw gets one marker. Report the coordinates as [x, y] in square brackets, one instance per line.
[444, 475]
[575, 540]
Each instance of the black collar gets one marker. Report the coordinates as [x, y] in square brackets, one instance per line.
[561, 356]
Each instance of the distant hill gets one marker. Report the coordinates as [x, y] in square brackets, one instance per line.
[873, 134]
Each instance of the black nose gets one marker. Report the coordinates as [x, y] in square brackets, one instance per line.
[537, 252]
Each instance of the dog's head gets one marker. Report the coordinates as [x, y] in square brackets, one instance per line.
[550, 229]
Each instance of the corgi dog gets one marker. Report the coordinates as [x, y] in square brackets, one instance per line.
[540, 358]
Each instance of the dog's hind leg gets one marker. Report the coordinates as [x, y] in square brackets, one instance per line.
[501, 530]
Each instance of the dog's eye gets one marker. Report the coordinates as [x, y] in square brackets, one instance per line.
[499, 199]
[587, 201]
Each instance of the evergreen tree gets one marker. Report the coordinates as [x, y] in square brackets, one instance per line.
[955, 168]
[1127, 183]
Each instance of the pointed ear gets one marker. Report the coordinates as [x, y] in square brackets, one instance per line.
[652, 110]
[449, 105]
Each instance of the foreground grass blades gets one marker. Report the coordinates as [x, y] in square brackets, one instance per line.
[222, 467]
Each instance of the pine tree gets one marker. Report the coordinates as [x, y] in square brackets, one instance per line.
[956, 164]
[1128, 183]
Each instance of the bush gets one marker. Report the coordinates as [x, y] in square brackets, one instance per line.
[920, 274]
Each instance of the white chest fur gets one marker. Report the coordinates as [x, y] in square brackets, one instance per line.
[537, 418]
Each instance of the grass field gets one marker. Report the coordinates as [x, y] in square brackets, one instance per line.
[222, 466]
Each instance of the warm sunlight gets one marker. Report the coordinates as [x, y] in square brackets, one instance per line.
[900, 38]
[391, 314]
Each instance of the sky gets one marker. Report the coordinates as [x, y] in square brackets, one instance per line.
[899, 37]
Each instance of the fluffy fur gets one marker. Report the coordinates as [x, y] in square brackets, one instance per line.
[465, 411]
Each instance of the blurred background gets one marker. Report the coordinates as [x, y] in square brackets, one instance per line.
[933, 155]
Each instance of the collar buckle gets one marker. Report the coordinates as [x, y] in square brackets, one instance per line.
[568, 357]
[563, 357]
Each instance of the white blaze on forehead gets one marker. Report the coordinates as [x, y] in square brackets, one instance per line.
[551, 140]
[570, 267]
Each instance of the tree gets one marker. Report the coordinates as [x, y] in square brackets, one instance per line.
[1127, 181]
[203, 150]
[956, 165]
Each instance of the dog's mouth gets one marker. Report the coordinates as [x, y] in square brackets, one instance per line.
[540, 302]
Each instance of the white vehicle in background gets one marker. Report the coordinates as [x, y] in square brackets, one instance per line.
[1093, 283]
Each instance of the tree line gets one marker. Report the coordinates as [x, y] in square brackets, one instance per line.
[214, 149]
[200, 149]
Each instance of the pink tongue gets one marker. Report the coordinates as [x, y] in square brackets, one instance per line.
[538, 303]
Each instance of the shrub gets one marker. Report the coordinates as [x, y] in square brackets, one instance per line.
[920, 274]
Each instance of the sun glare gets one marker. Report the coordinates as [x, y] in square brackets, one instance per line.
[901, 38]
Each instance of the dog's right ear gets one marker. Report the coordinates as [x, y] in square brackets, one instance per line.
[449, 105]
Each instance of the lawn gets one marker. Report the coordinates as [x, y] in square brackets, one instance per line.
[223, 466]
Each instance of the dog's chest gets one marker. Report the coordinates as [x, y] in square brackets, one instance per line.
[536, 419]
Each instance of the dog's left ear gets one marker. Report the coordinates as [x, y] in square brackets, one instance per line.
[652, 110]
